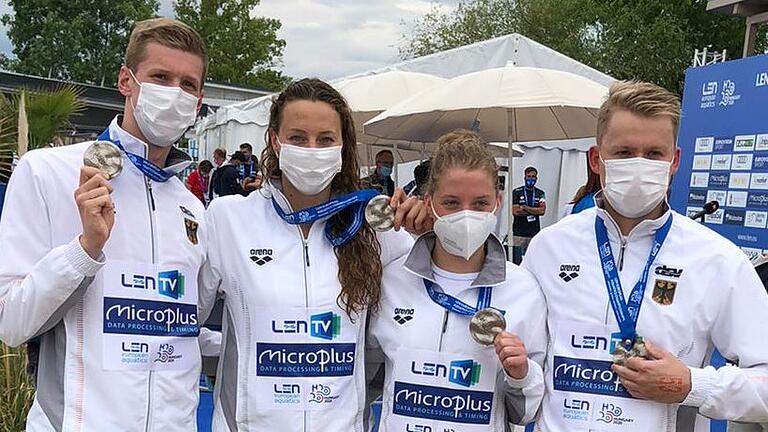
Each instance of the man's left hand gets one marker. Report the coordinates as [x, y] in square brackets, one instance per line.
[662, 378]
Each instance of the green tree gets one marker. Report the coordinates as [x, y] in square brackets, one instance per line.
[242, 49]
[48, 113]
[78, 40]
[651, 40]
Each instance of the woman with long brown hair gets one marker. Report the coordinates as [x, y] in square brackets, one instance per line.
[298, 269]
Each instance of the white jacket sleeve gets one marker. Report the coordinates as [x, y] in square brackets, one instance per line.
[738, 393]
[39, 281]
[209, 278]
[394, 245]
[522, 398]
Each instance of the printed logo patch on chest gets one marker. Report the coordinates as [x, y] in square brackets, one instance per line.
[664, 291]
[191, 227]
[403, 315]
[261, 256]
[569, 272]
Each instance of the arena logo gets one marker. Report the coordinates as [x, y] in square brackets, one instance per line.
[260, 256]
[326, 325]
[403, 315]
[442, 404]
[151, 318]
[569, 272]
[168, 283]
[305, 360]
[462, 372]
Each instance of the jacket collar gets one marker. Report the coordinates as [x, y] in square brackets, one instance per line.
[645, 228]
[176, 162]
[494, 271]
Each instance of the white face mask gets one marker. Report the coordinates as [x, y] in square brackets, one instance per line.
[163, 113]
[634, 187]
[310, 170]
[464, 232]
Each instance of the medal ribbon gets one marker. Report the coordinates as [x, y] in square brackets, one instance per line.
[626, 312]
[452, 304]
[147, 168]
[357, 199]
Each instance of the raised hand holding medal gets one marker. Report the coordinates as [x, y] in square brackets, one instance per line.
[102, 161]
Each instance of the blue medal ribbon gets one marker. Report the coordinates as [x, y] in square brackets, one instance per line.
[452, 304]
[357, 199]
[626, 312]
[147, 168]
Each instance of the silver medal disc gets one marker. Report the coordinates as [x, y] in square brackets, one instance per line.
[379, 214]
[485, 325]
[105, 156]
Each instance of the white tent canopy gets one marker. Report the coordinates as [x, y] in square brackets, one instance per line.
[561, 164]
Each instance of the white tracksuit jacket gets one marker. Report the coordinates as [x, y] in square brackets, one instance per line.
[291, 360]
[103, 365]
[424, 346]
[702, 294]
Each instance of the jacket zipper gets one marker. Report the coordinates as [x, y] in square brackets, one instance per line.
[442, 331]
[305, 243]
[151, 204]
[620, 264]
[305, 259]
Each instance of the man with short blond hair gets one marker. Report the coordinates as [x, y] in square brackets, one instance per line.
[107, 278]
[640, 296]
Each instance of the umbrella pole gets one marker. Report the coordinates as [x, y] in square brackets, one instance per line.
[511, 138]
[397, 167]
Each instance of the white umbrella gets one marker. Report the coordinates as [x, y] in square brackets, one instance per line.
[509, 104]
[370, 95]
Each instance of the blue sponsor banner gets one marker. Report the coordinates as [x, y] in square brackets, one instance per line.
[723, 116]
[149, 318]
[587, 376]
[734, 217]
[760, 163]
[757, 200]
[723, 145]
[442, 404]
[719, 180]
[305, 359]
[697, 197]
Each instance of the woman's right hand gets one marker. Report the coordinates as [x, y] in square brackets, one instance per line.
[411, 213]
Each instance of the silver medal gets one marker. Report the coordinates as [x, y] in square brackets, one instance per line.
[621, 354]
[379, 214]
[105, 156]
[485, 325]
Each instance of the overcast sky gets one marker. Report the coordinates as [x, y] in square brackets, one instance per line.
[327, 38]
